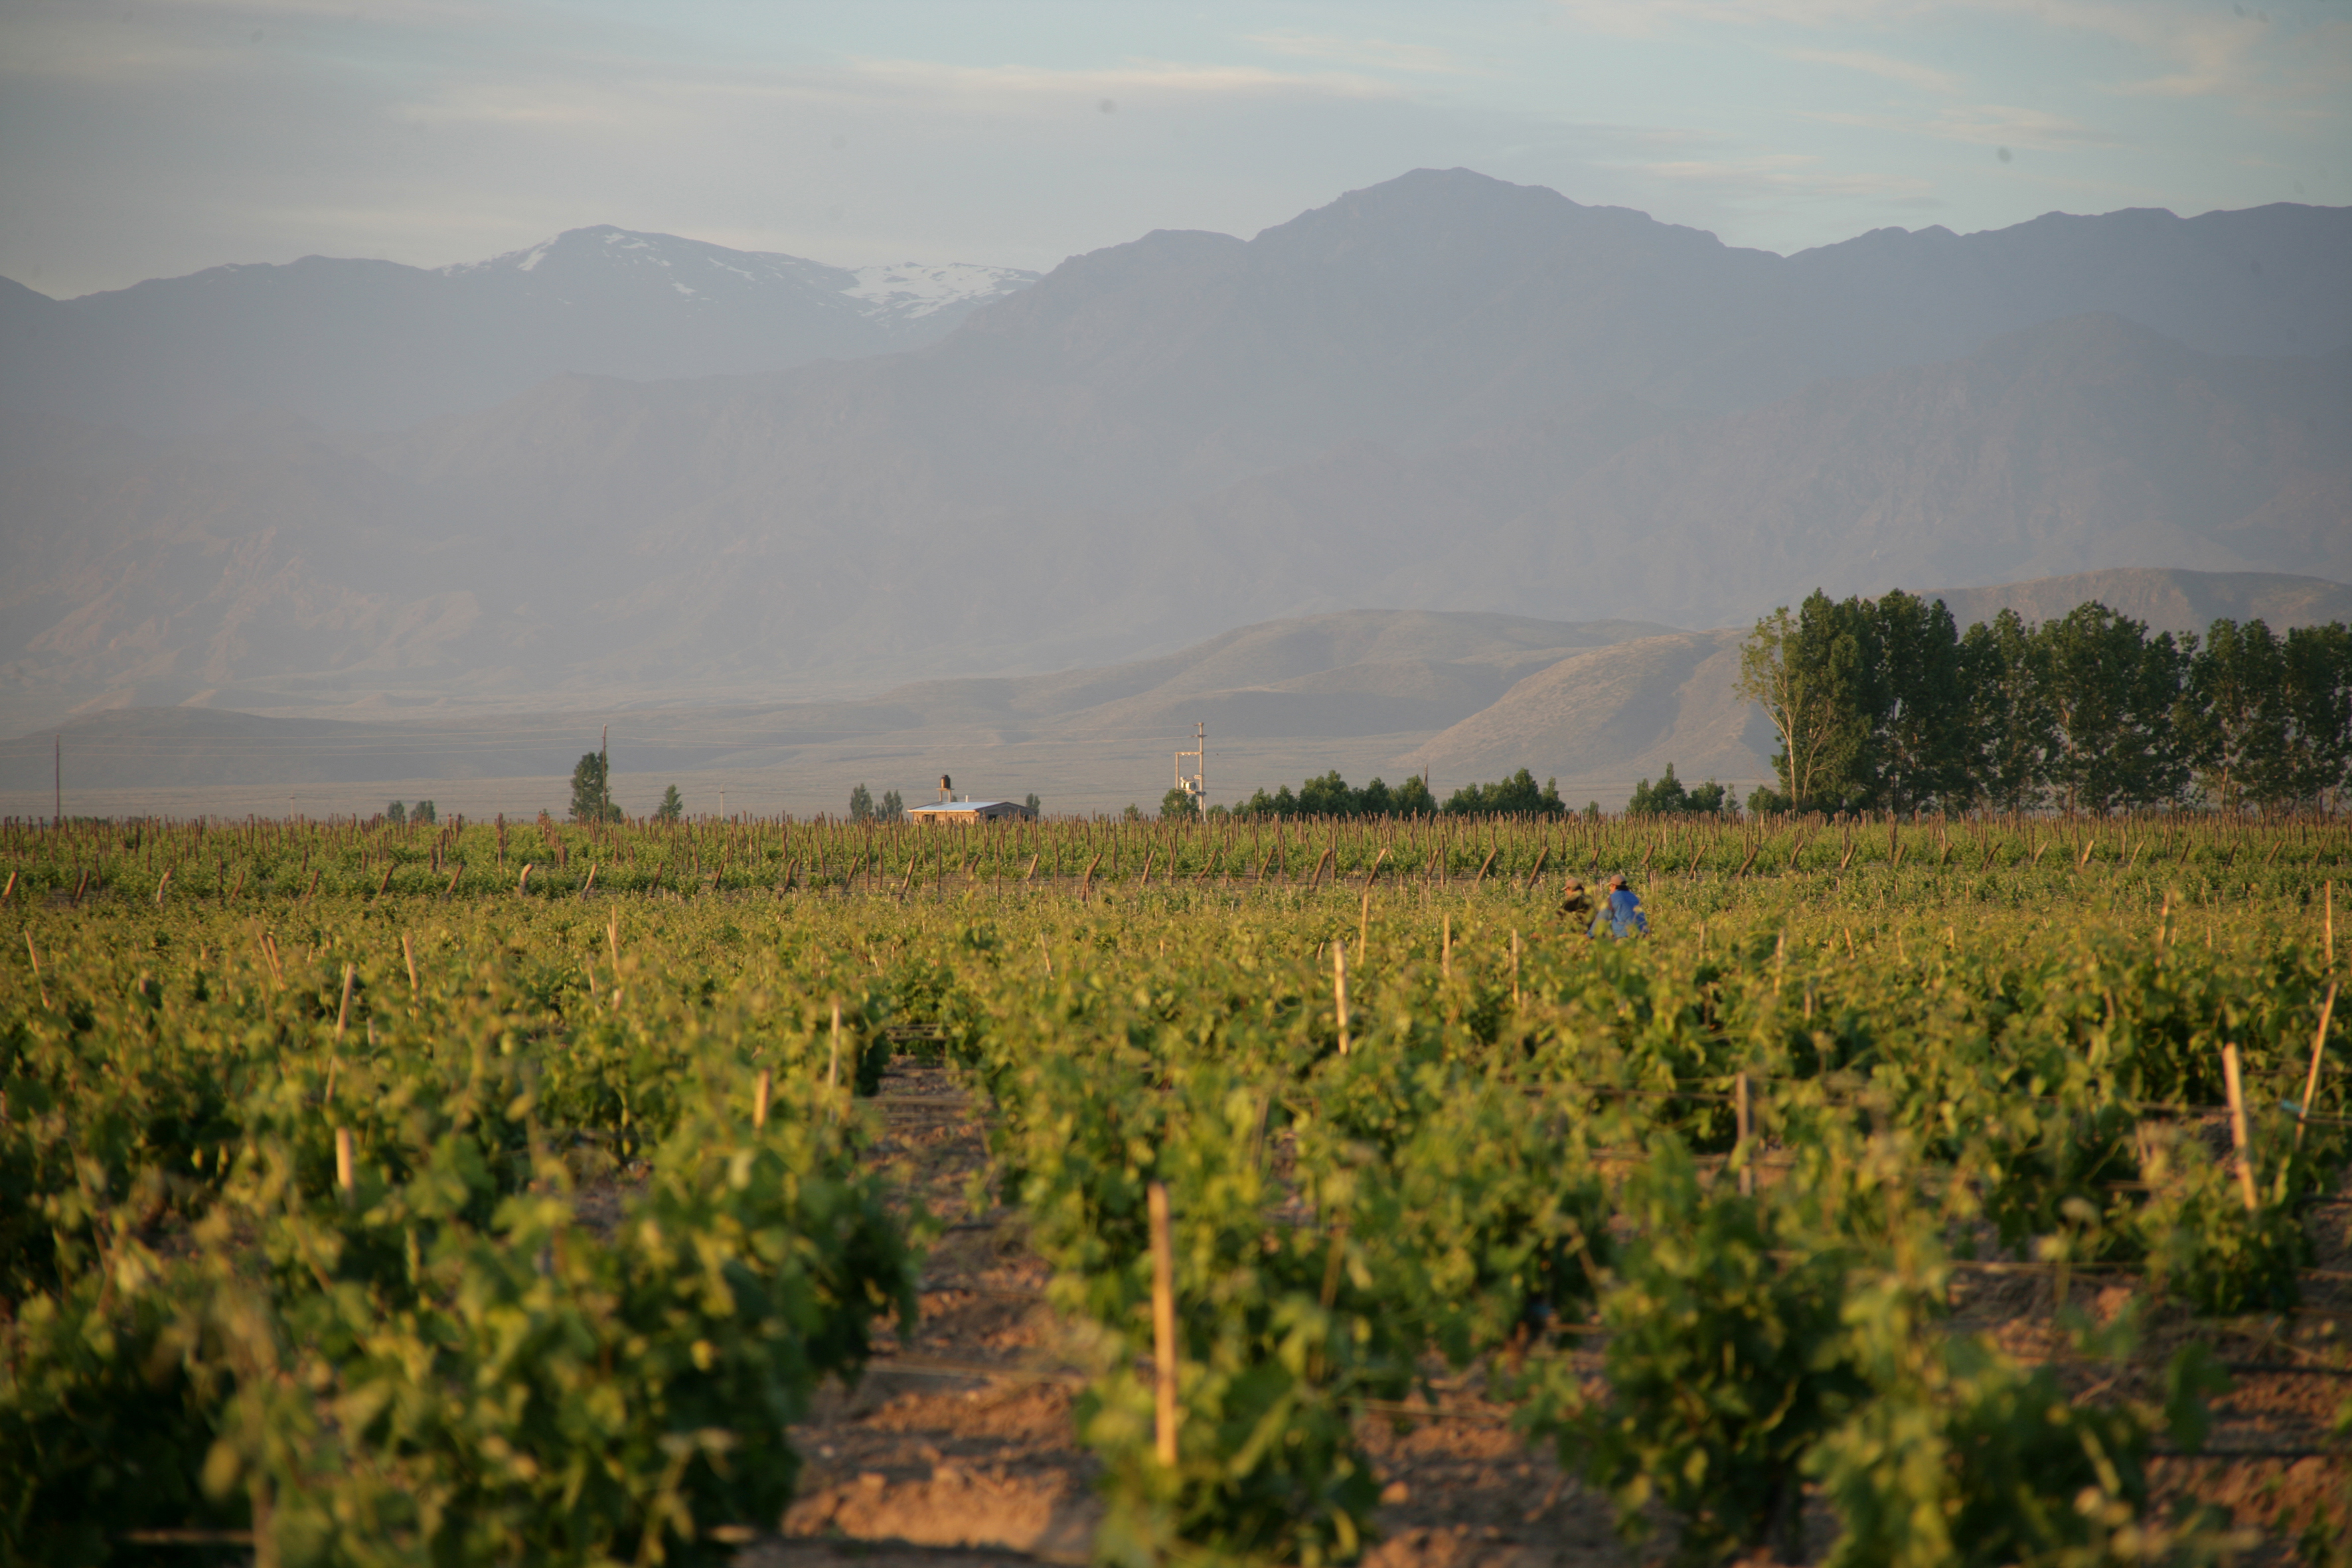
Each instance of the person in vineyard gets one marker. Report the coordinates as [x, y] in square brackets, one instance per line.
[1623, 912]
[1576, 905]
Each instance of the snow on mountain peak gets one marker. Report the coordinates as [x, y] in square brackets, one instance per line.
[901, 298]
[911, 289]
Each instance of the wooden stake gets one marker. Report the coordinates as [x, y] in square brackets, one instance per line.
[612, 943]
[2238, 1135]
[384, 886]
[163, 883]
[1163, 1326]
[1047, 948]
[343, 1011]
[522, 883]
[2328, 891]
[345, 1182]
[1515, 969]
[1445, 950]
[1739, 1103]
[833, 1060]
[761, 1086]
[2318, 1045]
[10, 891]
[590, 884]
[1339, 988]
[409, 952]
[451, 890]
[37, 978]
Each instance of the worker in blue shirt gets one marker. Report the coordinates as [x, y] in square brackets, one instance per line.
[1622, 911]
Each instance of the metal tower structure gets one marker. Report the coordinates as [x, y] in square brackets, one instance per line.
[1196, 783]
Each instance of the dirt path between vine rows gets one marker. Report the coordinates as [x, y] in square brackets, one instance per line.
[957, 1444]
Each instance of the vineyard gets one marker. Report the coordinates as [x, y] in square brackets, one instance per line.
[1932, 1191]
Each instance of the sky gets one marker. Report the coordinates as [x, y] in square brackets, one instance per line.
[150, 138]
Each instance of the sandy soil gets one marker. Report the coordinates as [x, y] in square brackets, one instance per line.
[957, 1445]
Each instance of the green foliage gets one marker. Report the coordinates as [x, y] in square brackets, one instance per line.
[1725, 1361]
[2031, 1042]
[1669, 797]
[1179, 805]
[592, 791]
[1332, 795]
[1513, 797]
[672, 806]
[1882, 705]
[861, 804]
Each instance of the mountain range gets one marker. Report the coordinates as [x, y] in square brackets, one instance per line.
[1443, 392]
[374, 345]
[1456, 695]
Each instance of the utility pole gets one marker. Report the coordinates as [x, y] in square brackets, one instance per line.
[1196, 783]
[604, 775]
[58, 757]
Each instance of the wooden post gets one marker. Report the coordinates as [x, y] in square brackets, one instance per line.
[384, 886]
[2327, 892]
[1086, 883]
[1445, 950]
[450, 891]
[2318, 1045]
[1339, 988]
[343, 1011]
[1163, 1326]
[409, 952]
[586, 886]
[345, 1183]
[38, 979]
[1747, 1127]
[832, 1059]
[1364, 916]
[761, 1086]
[1515, 969]
[163, 883]
[2238, 1135]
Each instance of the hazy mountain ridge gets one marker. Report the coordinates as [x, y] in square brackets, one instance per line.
[1465, 697]
[359, 345]
[1443, 392]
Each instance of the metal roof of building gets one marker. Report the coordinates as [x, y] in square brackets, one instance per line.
[951, 807]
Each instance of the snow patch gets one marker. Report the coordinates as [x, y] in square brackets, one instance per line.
[912, 290]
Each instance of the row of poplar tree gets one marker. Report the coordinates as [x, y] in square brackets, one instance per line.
[1885, 704]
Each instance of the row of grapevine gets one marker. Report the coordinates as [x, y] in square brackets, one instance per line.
[398, 1227]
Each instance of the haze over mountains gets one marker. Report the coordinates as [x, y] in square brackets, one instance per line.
[374, 345]
[1458, 695]
[1443, 393]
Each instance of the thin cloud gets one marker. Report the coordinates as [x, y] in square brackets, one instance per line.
[1908, 73]
[1982, 124]
[1372, 54]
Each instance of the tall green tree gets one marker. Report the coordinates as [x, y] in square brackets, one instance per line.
[861, 804]
[1918, 747]
[2234, 718]
[2009, 728]
[672, 806]
[2115, 693]
[1812, 672]
[2316, 758]
[592, 794]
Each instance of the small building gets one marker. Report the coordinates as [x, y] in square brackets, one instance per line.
[958, 812]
